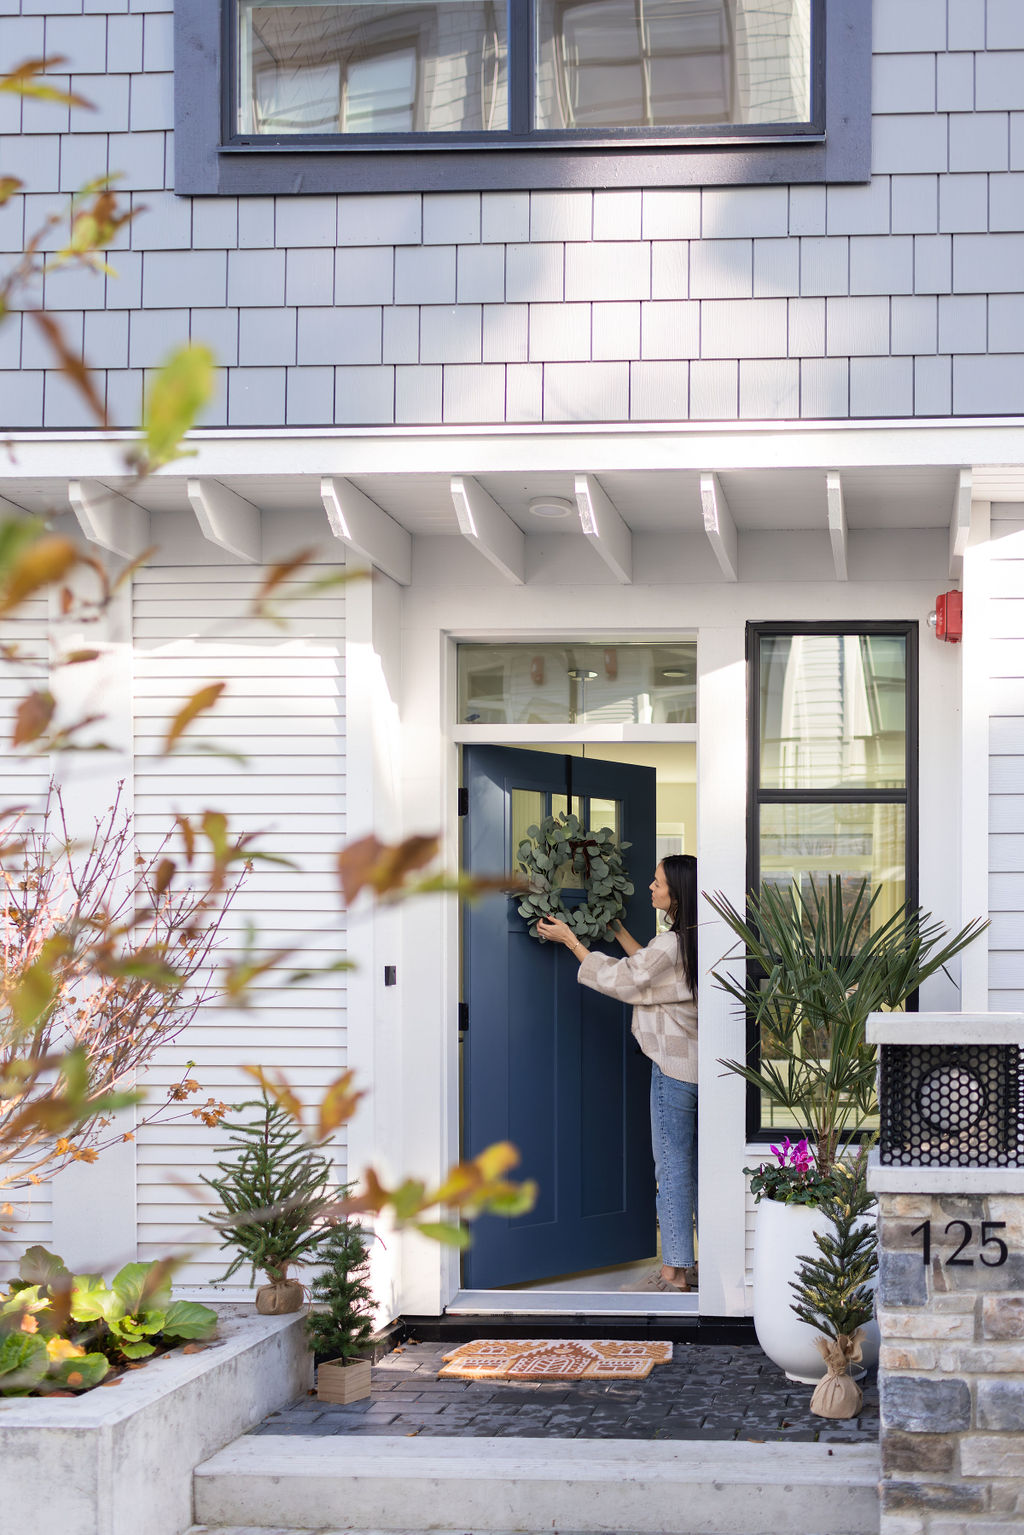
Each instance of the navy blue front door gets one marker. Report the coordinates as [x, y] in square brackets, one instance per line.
[548, 1064]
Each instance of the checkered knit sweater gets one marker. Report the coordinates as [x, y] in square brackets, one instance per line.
[664, 1008]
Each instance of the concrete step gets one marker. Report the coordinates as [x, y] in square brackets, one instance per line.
[301, 1483]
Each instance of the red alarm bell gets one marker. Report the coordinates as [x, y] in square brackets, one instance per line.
[949, 617]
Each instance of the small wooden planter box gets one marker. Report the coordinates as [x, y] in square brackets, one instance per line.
[337, 1381]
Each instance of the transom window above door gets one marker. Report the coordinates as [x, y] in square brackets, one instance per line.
[525, 67]
[578, 684]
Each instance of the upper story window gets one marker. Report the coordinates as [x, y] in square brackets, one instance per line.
[450, 95]
[540, 68]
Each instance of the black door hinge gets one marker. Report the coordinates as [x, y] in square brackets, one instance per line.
[463, 1017]
[463, 802]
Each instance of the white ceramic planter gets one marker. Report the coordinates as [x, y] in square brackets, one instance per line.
[783, 1233]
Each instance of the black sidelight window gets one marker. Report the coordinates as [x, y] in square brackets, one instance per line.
[833, 768]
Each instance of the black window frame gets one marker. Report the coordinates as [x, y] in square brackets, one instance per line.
[757, 796]
[211, 158]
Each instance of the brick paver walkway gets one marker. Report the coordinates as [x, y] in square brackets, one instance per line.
[707, 1392]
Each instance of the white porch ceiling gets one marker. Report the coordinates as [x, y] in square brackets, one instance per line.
[648, 501]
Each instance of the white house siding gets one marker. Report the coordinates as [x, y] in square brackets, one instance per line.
[284, 711]
[1006, 759]
[23, 781]
[897, 298]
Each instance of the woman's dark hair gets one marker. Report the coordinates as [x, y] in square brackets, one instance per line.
[680, 870]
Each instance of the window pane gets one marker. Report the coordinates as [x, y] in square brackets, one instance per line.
[527, 810]
[801, 843]
[605, 812]
[577, 684]
[833, 711]
[617, 63]
[408, 67]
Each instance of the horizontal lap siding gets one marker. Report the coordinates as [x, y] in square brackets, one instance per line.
[23, 781]
[1006, 760]
[283, 711]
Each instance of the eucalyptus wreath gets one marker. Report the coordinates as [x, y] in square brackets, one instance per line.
[558, 843]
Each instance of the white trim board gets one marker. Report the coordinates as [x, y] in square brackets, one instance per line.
[572, 1303]
[984, 444]
[568, 735]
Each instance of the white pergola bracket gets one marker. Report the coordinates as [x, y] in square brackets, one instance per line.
[719, 526]
[227, 519]
[602, 524]
[960, 523]
[837, 530]
[109, 519]
[489, 528]
[369, 532]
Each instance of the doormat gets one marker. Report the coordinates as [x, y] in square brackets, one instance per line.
[554, 1359]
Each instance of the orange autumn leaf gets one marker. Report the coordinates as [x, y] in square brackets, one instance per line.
[380, 866]
[338, 1104]
[75, 368]
[32, 717]
[199, 703]
[44, 562]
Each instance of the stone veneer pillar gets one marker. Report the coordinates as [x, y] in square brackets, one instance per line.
[951, 1363]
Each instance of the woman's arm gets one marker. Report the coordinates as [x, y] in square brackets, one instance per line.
[626, 940]
[556, 931]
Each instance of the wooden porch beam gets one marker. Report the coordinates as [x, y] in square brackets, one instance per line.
[837, 529]
[719, 526]
[227, 519]
[602, 523]
[490, 529]
[362, 526]
[109, 519]
[960, 523]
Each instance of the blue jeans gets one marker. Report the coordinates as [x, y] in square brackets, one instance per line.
[674, 1142]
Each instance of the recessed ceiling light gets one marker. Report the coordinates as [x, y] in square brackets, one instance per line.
[551, 506]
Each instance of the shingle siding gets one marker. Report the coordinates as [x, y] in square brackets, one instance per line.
[554, 304]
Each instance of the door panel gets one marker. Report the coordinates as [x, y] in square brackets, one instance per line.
[549, 1064]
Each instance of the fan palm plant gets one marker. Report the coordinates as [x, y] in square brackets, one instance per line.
[819, 967]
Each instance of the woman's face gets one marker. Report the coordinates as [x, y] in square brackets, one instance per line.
[661, 897]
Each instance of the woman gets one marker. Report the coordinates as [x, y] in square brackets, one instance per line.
[661, 983]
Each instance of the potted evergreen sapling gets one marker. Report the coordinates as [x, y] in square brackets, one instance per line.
[340, 1328]
[273, 1190]
[834, 1288]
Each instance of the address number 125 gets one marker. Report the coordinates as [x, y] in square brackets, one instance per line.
[991, 1250]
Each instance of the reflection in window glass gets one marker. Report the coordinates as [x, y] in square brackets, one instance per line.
[833, 711]
[577, 684]
[804, 845]
[615, 63]
[410, 66]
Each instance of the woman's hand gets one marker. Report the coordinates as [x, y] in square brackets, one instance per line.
[556, 931]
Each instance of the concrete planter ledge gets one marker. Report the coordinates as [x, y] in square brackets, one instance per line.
[120, 1459]
[300, 1483]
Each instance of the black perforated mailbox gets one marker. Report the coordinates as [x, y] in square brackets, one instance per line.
[950, 1089]
[945, 1105]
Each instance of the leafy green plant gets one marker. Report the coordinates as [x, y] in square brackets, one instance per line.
[342, 1325]
[136, 1309]
[833, 1287]
[273, 1188]
[560, 844]
[62, 1332]
[819, 968]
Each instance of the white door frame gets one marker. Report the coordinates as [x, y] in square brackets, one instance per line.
[446, 603]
